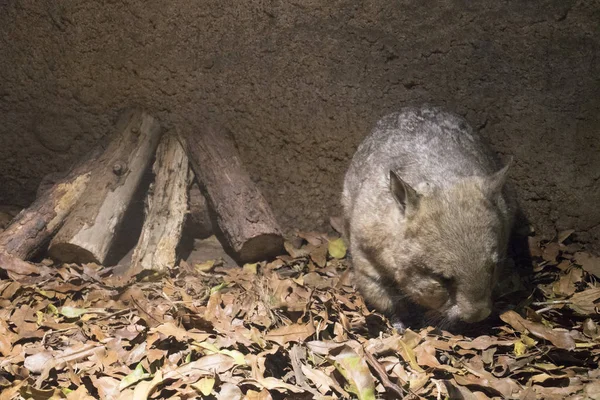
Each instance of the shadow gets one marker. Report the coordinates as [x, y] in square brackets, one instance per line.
[128, 233]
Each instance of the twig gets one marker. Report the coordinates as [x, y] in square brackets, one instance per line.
[438, 386]
[139, 307]
[543, 310]
[383, 376]
[545, 303]
[295, 357]
[114, 314]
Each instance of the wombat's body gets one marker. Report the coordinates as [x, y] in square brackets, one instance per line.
[426, 215]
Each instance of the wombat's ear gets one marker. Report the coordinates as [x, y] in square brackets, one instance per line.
[405, 195]
[496, 182]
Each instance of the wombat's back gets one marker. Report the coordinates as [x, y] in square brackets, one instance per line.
[426, 146]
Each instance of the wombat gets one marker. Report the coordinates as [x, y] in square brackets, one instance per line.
[428, 216]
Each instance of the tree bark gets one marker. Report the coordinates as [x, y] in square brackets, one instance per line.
[33, 227]
[167, 209]
[89, 230]
[242, 213]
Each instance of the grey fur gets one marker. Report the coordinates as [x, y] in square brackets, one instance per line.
[438, 245]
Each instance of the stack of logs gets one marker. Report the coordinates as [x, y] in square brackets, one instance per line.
[77, 217]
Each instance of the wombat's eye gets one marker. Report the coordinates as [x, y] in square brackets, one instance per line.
[445, 280]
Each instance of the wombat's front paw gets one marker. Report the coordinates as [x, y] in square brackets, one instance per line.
[398, 324]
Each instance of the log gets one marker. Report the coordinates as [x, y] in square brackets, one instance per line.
[242, 214]
[167, 209]
[33, 227]
[88, 232]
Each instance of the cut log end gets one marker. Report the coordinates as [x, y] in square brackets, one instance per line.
[71, 253]
[261, 247]
[116, 176]
[242, 213]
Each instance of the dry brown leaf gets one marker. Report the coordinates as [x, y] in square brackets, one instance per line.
[319, 254]
[108, 387]
[169, 329]
[295, 252]
[592, 390]
[229, 391]
[314, 238]
[322, 381]
[551, 251]
[589, 263]
[290, 333]
[356, 371]
[19, 268]
[560, 339]
[565, 286]
[591, 329]
[483, 342]
[584, 303]
[272, 383]
[262, 395]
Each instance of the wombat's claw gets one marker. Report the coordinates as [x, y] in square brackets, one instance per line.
[398, 325]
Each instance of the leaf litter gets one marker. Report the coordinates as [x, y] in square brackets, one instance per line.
[292, 328]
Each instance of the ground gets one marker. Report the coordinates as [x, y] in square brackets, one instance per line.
[290, 328]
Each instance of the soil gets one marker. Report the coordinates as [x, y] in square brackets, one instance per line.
[299, 84]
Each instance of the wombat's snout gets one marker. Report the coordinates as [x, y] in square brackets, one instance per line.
[476, 313]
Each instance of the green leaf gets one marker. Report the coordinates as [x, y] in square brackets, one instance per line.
[218, 288]
[137, 375]
[72, 312]
[337, 248]
[204, 385]
[237, 356]
[520, 348]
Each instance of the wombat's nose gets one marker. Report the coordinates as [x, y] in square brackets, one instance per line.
[477, 314]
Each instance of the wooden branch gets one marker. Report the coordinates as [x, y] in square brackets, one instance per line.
[33, 228]
[243, 215]
[89, 230]
[167, 209]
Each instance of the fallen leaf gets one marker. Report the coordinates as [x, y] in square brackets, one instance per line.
[272, 383]
[584, 303]
[558, 338]
[337, 248]
[588, 262]
[290, 333]
[590, 329]
[204, 385]
[322, 381]
[520, 348]
[551, 251]
[409, 355]
[205, 266]
[356, 371]
[295, 252]
[318, 254]
[143, 390]
[565, 286]
[137, 375]
[38, 362]
[483, 342]
[251, 268]
[169, 329]
[592, 390]
[229, 391]
[72, 312]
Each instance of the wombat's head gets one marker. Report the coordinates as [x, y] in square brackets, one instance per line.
[451, 242]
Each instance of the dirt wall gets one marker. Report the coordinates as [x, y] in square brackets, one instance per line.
[299, 83]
